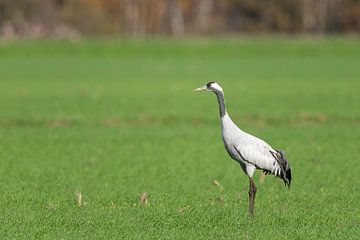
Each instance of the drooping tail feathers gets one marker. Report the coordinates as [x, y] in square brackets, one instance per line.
[285, 170]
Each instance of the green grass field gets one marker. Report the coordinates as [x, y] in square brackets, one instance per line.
[115, 119]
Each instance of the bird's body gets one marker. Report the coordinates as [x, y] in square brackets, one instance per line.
[249, 151]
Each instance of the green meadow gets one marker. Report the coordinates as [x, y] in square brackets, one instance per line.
[87, 127]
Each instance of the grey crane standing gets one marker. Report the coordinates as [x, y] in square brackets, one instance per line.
[249, 151]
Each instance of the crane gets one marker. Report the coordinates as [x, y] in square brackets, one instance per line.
[249, 151]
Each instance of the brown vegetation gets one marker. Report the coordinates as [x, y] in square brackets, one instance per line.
[138, 18]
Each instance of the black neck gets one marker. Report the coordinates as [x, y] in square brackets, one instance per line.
[220, 97]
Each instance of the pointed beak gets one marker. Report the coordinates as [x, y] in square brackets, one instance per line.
[203, 88]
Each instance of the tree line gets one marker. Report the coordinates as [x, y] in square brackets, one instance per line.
[141, 18]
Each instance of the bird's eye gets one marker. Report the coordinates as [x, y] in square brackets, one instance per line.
[209, 84]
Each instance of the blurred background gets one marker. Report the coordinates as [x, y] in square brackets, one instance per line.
[71, 19]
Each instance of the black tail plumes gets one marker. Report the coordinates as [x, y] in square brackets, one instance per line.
[285, 171]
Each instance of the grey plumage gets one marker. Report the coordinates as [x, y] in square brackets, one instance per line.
[249, 151]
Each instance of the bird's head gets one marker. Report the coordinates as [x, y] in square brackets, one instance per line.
[210, 87]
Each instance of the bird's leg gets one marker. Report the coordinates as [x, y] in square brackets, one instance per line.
[252, 193]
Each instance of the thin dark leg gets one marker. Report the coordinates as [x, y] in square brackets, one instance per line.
[252, 193]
